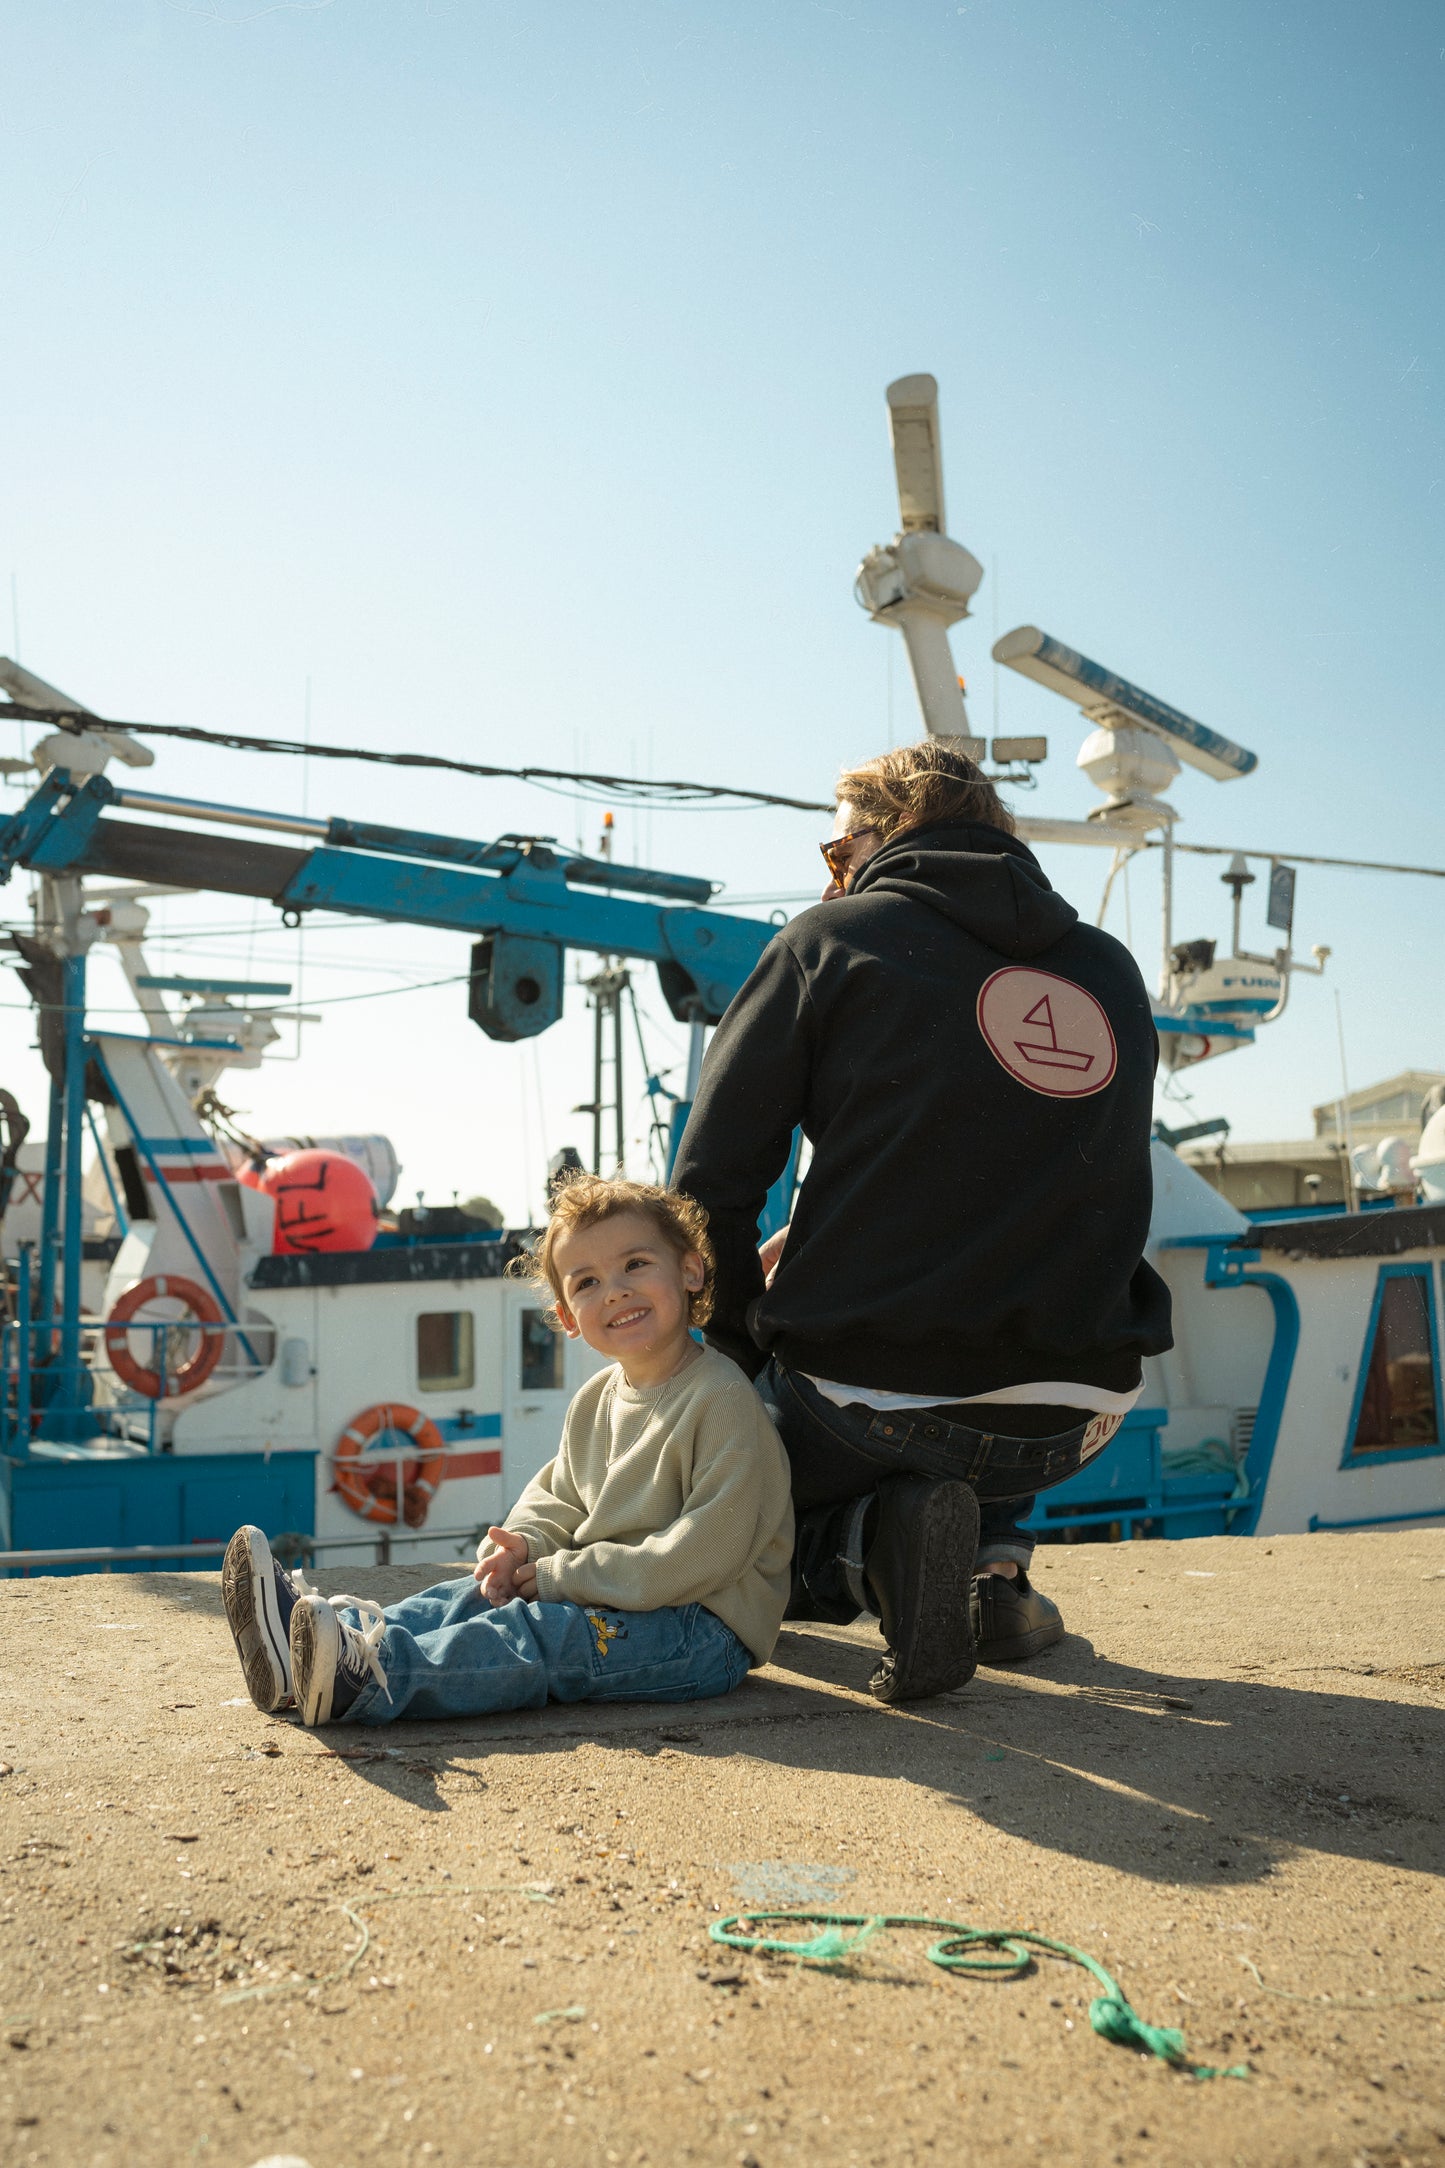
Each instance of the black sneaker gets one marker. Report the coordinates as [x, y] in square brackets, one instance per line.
[330, 1660]
[919, 1565]
[260, 1596]
[1012, 1619]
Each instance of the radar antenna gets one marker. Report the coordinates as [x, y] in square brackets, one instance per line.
[921, 582]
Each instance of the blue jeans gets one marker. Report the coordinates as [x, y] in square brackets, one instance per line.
[450, 1652]
[837, 1456]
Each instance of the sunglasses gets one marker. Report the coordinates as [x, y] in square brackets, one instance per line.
[836, 859]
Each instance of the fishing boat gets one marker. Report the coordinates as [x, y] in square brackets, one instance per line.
[203, 1328]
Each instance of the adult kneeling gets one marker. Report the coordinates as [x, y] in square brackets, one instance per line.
[955, 1318]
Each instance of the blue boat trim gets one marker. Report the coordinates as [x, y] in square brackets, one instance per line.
[1378, 1456]
[1130, 1486]
[458, 1429]
[84, 1499]
[1225, 1268]
[1203, 1027]
[1379, 1520]
[417, 1261]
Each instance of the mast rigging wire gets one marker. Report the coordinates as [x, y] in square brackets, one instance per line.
[564, 781]
[1301, 858]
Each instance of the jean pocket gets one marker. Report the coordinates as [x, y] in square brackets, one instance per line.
[624, 1643]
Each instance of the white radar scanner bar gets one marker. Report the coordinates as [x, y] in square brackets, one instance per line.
[1108, 701]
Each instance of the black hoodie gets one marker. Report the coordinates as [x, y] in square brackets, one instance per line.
[973, 1068]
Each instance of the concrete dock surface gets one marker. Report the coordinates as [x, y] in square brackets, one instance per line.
[223, 1938]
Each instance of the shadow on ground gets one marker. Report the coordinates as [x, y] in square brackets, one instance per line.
[1180, 1779]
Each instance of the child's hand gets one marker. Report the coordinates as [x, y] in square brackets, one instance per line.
[507, 1572]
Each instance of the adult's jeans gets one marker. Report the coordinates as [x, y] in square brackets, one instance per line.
[450, 1652]
[838, 1455]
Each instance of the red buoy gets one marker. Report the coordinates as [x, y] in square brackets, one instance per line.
[324, 1201]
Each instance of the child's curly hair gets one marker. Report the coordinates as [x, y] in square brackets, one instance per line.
[588, 1199]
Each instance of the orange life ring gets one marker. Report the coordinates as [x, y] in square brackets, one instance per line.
[371, 1491]
[211, 1326]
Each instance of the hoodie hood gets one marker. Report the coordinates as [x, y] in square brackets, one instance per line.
[987, 882]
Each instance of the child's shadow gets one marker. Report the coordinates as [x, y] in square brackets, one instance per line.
[411, 1774]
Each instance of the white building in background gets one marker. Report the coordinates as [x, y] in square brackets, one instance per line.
[1281, 1173]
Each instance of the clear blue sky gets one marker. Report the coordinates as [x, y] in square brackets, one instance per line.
[516, 376]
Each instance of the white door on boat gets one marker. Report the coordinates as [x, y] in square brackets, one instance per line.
[536, 1389]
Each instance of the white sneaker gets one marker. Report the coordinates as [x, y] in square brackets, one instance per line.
[260, 1596]
[331, 1661]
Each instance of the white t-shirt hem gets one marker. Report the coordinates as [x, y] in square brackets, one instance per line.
[1094, 1399]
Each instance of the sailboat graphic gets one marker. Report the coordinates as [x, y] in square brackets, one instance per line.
[1045, 1051]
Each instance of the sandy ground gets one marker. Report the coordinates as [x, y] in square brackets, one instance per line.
[224, 1938]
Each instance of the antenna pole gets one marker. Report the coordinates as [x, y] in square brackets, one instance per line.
[921, 582]
[1167, 901]
[619, 1121]
[935, 676]
[598, 1027]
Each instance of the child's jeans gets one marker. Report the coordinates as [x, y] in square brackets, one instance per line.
[450, 1652]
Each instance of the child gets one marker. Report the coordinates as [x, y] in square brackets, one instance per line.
[648, 1562]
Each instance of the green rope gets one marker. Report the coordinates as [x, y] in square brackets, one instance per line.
[1110, 2013]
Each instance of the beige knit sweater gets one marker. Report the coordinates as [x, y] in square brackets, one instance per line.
[668, 1494]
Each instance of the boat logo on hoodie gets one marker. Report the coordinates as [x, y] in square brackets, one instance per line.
[1047, 1032]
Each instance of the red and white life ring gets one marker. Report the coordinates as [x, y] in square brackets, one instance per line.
[370, 1489]
[209, 1324]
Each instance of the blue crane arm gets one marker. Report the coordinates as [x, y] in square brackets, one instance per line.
[519, 887]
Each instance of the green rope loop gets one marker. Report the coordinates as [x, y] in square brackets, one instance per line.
[1111, 2014]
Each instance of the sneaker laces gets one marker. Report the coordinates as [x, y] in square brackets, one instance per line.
[361, 1646]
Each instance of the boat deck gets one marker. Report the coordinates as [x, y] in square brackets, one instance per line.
[1225, 1785]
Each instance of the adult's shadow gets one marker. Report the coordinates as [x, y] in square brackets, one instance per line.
[1181, 1779]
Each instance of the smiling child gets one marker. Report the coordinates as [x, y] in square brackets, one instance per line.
[649, 1561]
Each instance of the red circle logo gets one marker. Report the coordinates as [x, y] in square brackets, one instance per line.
[1047, 1032]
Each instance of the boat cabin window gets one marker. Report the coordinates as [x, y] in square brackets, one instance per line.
[446, 1359]
[541, 1354]
[1399, 1406]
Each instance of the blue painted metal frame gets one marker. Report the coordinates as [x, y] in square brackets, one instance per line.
[1226, 1268]
[496, 888]
[1380, 1456]
[471, 887]
[50, 1202]
[158, 1175]
[717, 949]
[55, 823]
[1377, 1520]
[778, 1205]
[1129, 1485]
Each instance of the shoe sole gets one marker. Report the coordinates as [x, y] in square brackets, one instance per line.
[248, 1591]
[942, 1626]
[315, 1651]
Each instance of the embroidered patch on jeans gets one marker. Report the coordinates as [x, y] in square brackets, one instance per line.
[1047, 1032]
[604, 1632]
